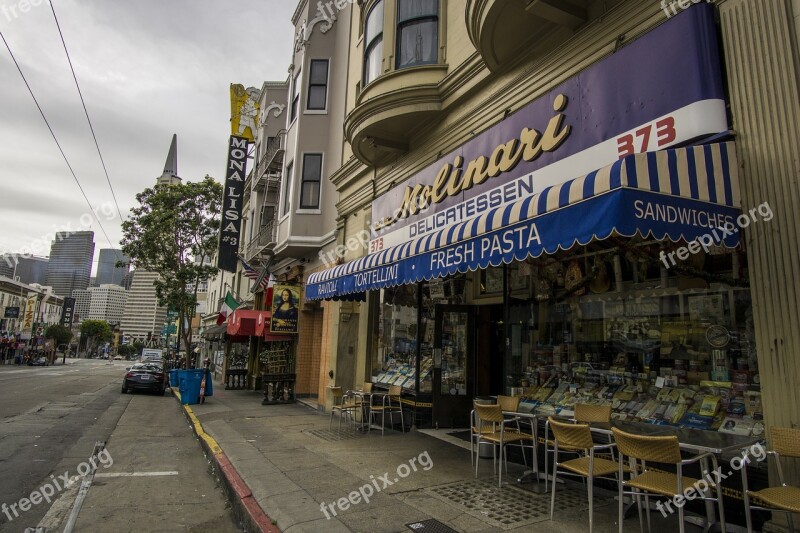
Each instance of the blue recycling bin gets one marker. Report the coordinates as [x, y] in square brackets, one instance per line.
[190, 385]
[209, 384]
[173, 378]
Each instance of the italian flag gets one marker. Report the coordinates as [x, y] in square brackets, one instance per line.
[227, 308]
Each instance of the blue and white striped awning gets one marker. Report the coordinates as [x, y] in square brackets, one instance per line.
[678, 195]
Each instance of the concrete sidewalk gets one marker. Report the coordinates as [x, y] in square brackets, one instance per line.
[307, 478]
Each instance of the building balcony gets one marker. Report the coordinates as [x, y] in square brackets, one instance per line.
[391, 109]
[262, 242]
[501, 29]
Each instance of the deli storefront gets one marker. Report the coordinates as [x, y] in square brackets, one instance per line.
[585, 249]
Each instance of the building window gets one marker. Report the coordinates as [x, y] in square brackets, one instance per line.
[373, 39]
[312, 176]
[295, 95]
[417, 32]
[287, 184]
[318, 85]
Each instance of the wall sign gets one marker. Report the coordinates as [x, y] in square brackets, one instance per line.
[67, 310]
[230, 234]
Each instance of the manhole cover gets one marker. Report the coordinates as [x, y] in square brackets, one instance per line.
[511, 506]
[333, 436]
[430, 526]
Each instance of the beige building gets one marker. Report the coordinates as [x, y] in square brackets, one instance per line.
[531, 177]
[143, 317]
[107, 302]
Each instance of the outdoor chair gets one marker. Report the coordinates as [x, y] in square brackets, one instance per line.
[345, 404]
[390, 403]
[586, 465]
[783, 498]
[644, 481]
[491, 428]
[510, 404]
[584, 414]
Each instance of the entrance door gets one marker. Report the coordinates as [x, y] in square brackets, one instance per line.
[453, 365]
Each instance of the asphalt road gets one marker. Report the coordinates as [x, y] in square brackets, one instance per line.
[50, 420]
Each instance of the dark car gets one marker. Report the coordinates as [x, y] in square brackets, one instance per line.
[38, 361]
[146, 377]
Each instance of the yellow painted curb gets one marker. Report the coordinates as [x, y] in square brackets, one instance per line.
[198, 427]
[212, 444]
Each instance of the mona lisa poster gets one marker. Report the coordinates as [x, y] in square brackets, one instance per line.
[285, 299]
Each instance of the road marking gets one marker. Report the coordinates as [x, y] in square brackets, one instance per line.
[135, 474]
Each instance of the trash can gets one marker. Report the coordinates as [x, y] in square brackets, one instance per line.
[190, 385]
[485, 450]
[209, 384]
[173, 378]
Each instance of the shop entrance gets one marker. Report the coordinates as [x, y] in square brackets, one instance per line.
[453, 365]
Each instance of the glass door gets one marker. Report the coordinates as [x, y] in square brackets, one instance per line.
[453, 365]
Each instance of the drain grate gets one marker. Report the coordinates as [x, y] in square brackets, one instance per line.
[511, 506]
[430, 526]
[333, 436]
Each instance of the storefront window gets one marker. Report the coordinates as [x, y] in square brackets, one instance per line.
[663, 346]
[394, 362]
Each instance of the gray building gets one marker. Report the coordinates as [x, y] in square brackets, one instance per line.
[28, 269]
[70, 263]
[107, 270]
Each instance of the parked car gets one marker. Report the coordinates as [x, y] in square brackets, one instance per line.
[38, 361]
[145, 376]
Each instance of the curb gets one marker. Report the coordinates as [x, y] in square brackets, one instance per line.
[245, 506]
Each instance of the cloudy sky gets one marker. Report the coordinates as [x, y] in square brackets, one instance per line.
[147, 69]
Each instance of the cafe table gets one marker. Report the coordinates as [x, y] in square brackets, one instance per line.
[532, 419]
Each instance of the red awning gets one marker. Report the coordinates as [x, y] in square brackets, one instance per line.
[243, 322]
[262, 322]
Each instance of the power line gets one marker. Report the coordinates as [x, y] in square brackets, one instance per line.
[85, 111]
[52, 133]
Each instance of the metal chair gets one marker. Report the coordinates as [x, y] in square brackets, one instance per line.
[587, 466]
[346, 405]
[784, 498]
[510, 404]
[390, 403]
[584, 414]
[644, 481]
[491, 416]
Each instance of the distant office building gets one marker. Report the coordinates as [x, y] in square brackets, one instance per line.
[28, 269]
[142, 313]
[83, 299]
[70, 263]
[107, 270]
[107, 302]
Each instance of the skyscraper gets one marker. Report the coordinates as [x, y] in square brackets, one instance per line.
[142, 313]
[170, 174]
[70, 263]
[29, 269]
[107, 270]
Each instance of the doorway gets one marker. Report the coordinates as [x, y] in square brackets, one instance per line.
[453, 365]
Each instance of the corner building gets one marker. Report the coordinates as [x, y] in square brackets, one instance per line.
[545, 188]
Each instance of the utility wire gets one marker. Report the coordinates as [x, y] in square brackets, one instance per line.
[19, 69]
[86, 112]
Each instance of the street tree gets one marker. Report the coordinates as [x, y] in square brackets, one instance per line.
[61, 336]
[95, 332]
[173, 232]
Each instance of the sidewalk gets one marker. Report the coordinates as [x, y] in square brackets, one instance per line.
[306, 477]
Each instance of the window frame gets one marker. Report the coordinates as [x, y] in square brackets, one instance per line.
[369, 46]
[295, 103]
[410, 22]
[318, 110]
[311, 209]
[286, 195]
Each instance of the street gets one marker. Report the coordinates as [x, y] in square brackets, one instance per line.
[152, 475]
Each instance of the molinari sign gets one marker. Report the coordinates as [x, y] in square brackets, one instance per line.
[229, 235]
[661, 90]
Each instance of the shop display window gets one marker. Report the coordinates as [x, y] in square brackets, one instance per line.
[665, 347]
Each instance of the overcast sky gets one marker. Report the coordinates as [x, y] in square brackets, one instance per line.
[147, 69]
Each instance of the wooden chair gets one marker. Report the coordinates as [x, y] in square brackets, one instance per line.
[587, 466]
[644, 481]
[390, 403]
[346, 405]
[783, 498]
[491, 428]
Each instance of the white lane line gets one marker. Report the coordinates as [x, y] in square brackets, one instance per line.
[135, 474]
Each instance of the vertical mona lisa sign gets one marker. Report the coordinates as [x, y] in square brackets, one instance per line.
[285, 301]
[230, 231]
